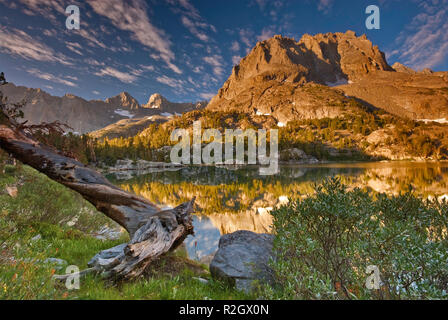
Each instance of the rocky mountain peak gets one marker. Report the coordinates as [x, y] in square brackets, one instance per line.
[156, 101]
[124, 100]
[322, 58]
[328, 59]
[289, 79]
[399, 67]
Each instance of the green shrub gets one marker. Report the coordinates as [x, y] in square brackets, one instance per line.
[325, 243]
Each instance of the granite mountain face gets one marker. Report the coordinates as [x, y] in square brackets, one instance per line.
[311, 78]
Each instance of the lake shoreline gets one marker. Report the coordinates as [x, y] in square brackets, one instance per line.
[128, 165]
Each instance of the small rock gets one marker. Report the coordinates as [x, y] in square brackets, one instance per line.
[12, 191]
[73, 221]
[36, 238]
[201, 280]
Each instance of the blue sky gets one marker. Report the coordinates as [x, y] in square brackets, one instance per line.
[185, 49]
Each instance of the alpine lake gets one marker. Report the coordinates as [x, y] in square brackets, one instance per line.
[239, 198]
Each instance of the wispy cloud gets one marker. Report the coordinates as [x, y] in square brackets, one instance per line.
[46, 8]
[246, 37]
[192, 27]
[51, 77]
[266, 33]
[207, 96]
[122, 76]
[131, 15]
[74, 47]
[269, 8]
[249, 38]
[19, 43]
[235, 46]
[191, 19]
[215, 62]
[93, 62]
[236, 60]
[424, 43]
[325, 5]
[91, 36]
[173, 83]
[261, 4]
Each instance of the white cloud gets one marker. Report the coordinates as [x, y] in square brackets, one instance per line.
[325, 5]
[74, 47]
[147, 68]
[197, 69]
[246, 37]
[192, 27]
[266, 33]
[191, 19]
[236, 60]
[424, 44]
[93, 62]
[174, 83]
[19, 43]
[91, 36]
[46, 8]
[207, 96]
[215, 62]
[131, 16]
[122, 76]
[50, 77]
[235, 46]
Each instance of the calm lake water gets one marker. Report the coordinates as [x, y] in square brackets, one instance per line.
[228, 200]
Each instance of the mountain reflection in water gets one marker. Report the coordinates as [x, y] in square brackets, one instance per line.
[228, 200]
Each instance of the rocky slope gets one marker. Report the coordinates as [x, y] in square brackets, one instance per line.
[86, 116]
[277, 75]
[416, 96]
[127, 127]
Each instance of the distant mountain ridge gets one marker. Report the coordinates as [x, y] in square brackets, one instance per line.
[87, 115]
[159, 102]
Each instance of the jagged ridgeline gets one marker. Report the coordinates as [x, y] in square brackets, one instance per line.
[90, 115]
[292, 80]
[333, 96]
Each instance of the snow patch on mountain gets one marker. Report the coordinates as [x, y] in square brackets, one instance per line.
[124, 113]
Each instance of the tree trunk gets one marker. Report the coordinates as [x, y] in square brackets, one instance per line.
[153, 232]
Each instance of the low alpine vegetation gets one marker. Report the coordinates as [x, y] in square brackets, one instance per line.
[326, 242]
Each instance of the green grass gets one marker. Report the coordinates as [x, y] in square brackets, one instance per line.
[43, 207]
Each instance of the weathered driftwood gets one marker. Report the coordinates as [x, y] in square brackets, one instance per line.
[80, 274]
[153, 232]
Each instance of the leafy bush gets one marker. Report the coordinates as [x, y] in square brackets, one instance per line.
[325, 243]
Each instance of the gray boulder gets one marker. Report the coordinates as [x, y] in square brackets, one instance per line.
[243, 257]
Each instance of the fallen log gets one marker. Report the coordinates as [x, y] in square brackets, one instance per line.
[153, 232]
